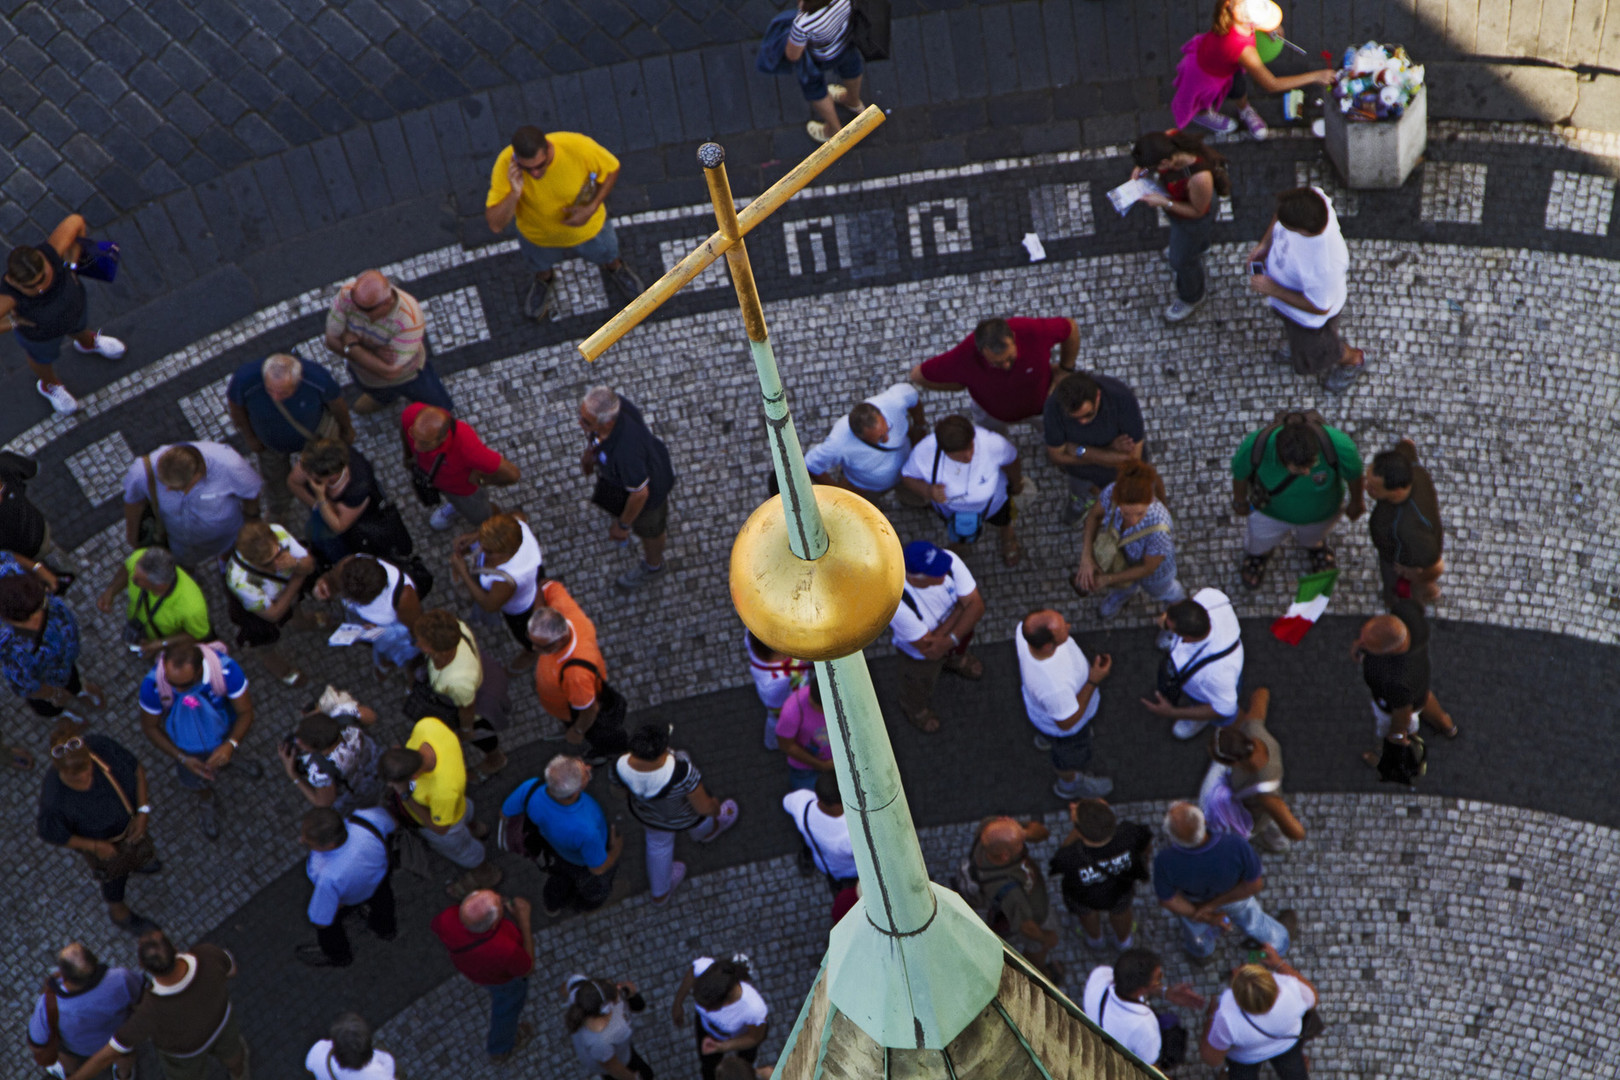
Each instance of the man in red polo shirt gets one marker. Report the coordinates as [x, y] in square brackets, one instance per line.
[1006, 367]
[452, 456]
[491, 942]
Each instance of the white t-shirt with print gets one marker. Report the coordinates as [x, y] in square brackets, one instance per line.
[933, 602]
[827, 836]
[1216, 683]
[725, 1022]
[380, 1067]
[1316, 267]
[774, 680]
[524, 570]
[1130, 1022]
[1248, 1040]
[1052, 686]
[257, 592]
[978, 485]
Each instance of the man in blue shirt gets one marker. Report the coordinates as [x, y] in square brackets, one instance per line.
[280, 403]
[634, 477]
[870, 444]
[573, 824]
[348, 865]
[92, 1002]
[198, 715]
[1209, 882]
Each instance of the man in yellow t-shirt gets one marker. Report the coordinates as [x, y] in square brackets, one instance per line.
[430, 778]
[555, 187]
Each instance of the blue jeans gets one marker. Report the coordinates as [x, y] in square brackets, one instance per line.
[397, 646]
[600, 249]
[505, 1006]
[1247, 917]
[425, 388]
[1189, 239]
[802, 779]
[813, 80]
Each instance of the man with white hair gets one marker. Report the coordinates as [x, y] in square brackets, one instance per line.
[633, 478]
[570, 676]
[378, 330]
[278, 405]
[1210, 883]
[91, 1002]
[573, 824]
[199, 492]
[491, 942]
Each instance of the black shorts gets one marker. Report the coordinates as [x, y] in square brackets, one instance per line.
[1079, 907]
[651, 523]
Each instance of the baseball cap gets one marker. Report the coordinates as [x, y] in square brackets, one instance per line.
[924, 558]
[1264, 15]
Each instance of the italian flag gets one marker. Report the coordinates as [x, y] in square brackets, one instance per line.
[1309, 603]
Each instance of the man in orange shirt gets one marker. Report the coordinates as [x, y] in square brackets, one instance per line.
[570, 676]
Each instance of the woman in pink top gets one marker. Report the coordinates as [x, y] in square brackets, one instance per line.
[1213, 65]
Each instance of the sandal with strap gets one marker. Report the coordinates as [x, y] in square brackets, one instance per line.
[926, 722]
[967, 666]
[1254, 570]
[1322, 558]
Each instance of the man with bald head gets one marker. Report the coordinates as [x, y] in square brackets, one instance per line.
[1061, 696]
[491, 942]
[1393, 651]
[1210, 882]
[278, 405]
[452, 456]
[1011, 881]
[377, 328]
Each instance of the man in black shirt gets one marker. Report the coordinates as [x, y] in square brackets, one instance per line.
[1092, 426]
[1405, 524]
[1101, 861]
[1393, 651]
[633, 478]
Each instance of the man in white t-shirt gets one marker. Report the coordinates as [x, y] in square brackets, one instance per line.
[1260, 1018]
[819, 817]
[1116, 999]
[348, 1054]
[939, 607]
[1061, 696]
[968, 473]
[1305, 278]
[869, 446]
[1198, 681]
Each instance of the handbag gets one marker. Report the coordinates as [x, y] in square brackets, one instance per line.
[834, 885]
[1403, 763]
[961, 526]
[131, 855]
[869, 28]
[1108, 546]
[606, 734]
[150, 532]
[772, 48]
[325, 428]
[422, 481]
[98, 260]
[1311, 1025]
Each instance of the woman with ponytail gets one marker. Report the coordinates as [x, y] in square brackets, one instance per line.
[1216, 67]
[1193, 176]
[598, 1022]
[732, 1018]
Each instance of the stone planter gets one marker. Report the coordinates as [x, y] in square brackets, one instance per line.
[1377, 154]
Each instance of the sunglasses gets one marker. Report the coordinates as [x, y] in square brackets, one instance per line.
[62, 750]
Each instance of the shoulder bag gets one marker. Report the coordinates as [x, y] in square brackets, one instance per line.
[612, 705]
[422, 482]
[325, 428]
[834, 885]
[97, 260]
[961, 526]
[1311, 1025]
[771, 59]
[1108, 546]
[130, 855]
[150, 531]
[1172, 680]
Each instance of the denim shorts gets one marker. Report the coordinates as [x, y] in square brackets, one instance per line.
[600, 249]
[812, 73]
[1071, 753]
[48, 352]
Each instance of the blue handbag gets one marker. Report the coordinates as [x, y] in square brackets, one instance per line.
[98, 260]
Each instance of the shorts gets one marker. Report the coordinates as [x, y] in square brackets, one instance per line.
[1121, 906]
[1314, 350]
[518, 625]
[48, 352]
[47, 709]
[227, 1045]
[1239, 88]
[600, 249]
[1071, 753]
[424, 387]
[812, 73]
[1382, 720]
[652, 523]
[252, 629]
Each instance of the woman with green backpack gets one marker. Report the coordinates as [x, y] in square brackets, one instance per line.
[1128, 543]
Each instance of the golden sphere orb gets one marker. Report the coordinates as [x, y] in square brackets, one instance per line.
[832, 607]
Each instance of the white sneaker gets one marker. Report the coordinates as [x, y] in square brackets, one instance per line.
[110, 347]
[1180, 309]
[443, 517]
[1187, 729]
[62, 401]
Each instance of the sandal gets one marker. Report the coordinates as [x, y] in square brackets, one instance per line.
[1012, 552]
[1254, 570]
[1322, 558]
[967, 665]
[838, 92]
[21, 759]
[92, 696]
[1370, 758]
[925, 722]
[817, 130]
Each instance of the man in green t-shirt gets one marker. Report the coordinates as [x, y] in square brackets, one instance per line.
[1295, 484]
[165, 606]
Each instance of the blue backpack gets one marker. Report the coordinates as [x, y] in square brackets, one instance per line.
[196, 724]
[772, 59]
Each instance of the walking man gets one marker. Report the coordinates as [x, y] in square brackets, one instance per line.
[1199, 678]
[279, 405]
[430, 777]
[449, 453]
[491, 942]
[633, 478]
[1011, 879]
[1393, 651]
[348, 865]
[819, 816]
[939, 607]
[1210, 882]
[555, 186]
[1093, 425]
[195, 708]
[200, 494]
[1116, 997]
[1305, 277]
[42, 299]
[1405, 525]
[87, 1002]
[570, 676]
[1290, 477]
[573, 824]
[187, 1014]
[1061, 695]
[1006, 367]
[868, 447]
[378, 330]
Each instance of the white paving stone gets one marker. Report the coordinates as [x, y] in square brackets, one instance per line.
[939, 227]
[99, 468]
[1580, 202]
[454, 319]
[207, 413]
[714, 276]
[1453, 191]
